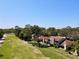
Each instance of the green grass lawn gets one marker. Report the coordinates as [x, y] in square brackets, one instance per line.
[50, 53]
[56, 53]
[14, 48]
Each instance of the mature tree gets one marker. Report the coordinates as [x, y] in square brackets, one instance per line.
[36, 30]
[52, 31]
[17, 30]
[11, 30]
[66, 31]
[75, 46]
[28, 26]
[44, 32]
[68, 27]
[1, 33]
[75, 35]
[25, 34]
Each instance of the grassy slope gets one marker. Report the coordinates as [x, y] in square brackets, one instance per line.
[14, 48]
[55, 53]
[50, 53]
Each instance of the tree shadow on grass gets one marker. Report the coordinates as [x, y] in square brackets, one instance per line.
[1, 55]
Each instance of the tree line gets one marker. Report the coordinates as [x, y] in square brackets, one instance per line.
[26, 32]
[29, 30]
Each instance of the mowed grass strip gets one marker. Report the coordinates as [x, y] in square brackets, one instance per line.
[50, 53]
[14, 48]
[56, 53]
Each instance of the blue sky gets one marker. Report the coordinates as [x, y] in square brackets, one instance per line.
[45, 13]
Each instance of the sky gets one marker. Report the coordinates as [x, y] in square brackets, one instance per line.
[45, 13]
